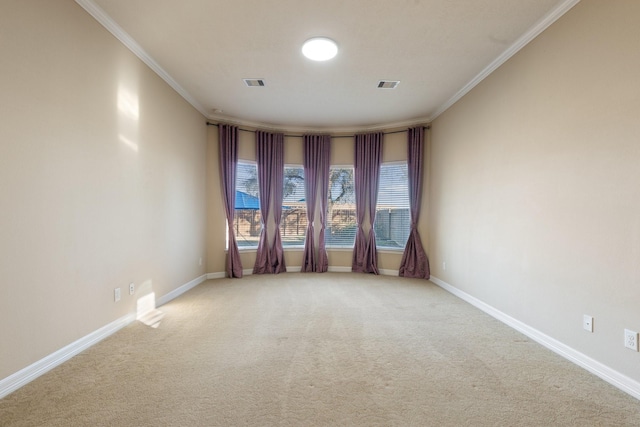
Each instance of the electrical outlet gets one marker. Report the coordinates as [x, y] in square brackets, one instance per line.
[631, 339]
[132, 288]
[116, 294]
[444, 265]
[587, 323]
[200, 262]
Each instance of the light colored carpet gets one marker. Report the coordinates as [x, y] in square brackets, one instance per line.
[316, 350]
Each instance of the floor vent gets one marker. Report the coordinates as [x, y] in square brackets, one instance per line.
[388, 84]
[254, 82]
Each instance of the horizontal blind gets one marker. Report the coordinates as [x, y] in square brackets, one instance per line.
[393, 217]
[341, 215]
[247, 219]
[293, 225]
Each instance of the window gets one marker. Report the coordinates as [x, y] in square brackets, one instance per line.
[246, 223]
[293, 225]
[247, 220]
[393, 218]
[341, 217]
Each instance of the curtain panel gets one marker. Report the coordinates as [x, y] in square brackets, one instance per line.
[228, 153]
[415, 262]
[367, 158]
[324, 159]
[270, 165]
[316, 150]
[277, 189]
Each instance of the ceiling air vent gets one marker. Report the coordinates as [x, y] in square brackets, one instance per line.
[254, 82]
[388, 84]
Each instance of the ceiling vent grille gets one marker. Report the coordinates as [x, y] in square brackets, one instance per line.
[388, 84]
[254, 82]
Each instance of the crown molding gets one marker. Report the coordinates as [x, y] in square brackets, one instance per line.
[106, 21]
[118, 32]
[533, 32]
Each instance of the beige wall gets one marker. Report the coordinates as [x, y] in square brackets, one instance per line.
[342, 153]
[534, 192]
[102, 180]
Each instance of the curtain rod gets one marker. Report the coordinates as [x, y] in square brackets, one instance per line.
[332, 136]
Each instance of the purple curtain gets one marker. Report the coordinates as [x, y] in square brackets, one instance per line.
[368, 149]
[310, 192]
[263, 161]
[375, 154]
[228, 141]
[324, 158]
[359, 181]
[277, 188]
[316, 171]
[414, 261]
[270, 162]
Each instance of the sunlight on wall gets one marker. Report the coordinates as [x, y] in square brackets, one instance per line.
[128, 104]
[128, 117]
[146, 311]
[128, 142]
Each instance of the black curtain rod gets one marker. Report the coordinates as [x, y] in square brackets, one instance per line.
[332, 136]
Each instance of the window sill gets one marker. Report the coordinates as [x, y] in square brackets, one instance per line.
[329, 249]
[390, 250]
[339, 249]
[255, 248]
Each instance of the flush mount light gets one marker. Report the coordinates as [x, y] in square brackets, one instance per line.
[319, 49]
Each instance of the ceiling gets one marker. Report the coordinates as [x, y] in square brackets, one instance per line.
[438, 49]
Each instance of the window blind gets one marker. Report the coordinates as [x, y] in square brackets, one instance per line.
[341, 215]
[393, 218]
[293, 226]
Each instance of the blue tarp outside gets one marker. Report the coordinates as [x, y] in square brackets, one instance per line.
[246, 201]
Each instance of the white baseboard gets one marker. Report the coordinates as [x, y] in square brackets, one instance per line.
[383, 271]
[42, 366]
[613, 377]
[387, 272]
[336, 269]
[181, 290]
[298, 269]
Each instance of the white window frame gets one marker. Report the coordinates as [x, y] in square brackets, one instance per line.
[341, 247]
[391, 249]
[300, 246]
[243, 248]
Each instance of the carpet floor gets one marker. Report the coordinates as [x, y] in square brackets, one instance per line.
[334, 349]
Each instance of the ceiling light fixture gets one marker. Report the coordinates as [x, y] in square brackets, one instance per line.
[320, 49]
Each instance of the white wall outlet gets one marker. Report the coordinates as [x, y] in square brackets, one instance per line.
[200, 262]
[587, 323]
[631, 339]
[116, 294]
[444, 265]
[132, 288]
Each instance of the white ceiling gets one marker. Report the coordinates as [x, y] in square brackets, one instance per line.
[438, 49]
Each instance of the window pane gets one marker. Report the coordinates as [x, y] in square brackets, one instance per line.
[393, 218]
[341, 218]
[246, 223]
[293, 225]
